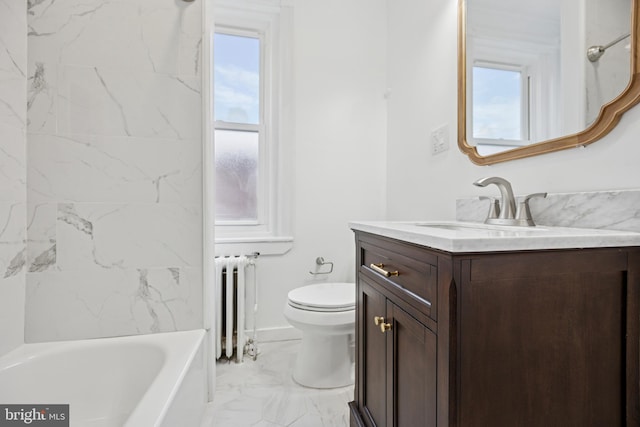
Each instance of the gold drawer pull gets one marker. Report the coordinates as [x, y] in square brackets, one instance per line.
[379, 321]
[380, 269]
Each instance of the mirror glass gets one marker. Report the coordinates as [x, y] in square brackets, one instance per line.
[534, 72]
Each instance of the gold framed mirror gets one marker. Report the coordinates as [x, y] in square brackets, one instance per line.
[549, 79]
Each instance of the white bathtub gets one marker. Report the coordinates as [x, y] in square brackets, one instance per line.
[137, 381]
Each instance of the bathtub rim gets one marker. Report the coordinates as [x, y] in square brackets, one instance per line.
[179, 350]
[165, 386]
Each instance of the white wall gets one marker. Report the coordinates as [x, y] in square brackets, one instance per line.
[339, 140]
[423, 80]
[606, 78]
[13, 119]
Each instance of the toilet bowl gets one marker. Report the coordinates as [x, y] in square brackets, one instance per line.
[326, 315]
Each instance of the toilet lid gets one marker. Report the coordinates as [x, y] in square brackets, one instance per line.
[324, 297]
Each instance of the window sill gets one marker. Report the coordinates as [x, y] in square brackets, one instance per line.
[248, 245]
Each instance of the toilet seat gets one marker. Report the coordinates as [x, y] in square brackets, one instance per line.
[324, 297]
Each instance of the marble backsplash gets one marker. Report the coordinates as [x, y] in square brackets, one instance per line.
[611, 210]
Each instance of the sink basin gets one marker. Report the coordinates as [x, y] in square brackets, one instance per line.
[481, 228]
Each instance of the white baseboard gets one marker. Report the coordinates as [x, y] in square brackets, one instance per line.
[285, 333]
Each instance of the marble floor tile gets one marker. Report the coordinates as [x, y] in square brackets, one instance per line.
[262, 393]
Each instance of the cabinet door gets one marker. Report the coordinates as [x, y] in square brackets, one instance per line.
[543, 343]
[411, 384]
[371, 356]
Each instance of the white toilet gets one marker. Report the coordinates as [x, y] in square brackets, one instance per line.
[326, 315]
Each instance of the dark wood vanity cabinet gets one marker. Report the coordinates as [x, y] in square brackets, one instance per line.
[532, 338]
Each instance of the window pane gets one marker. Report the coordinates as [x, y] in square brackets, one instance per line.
[236, 160]
[236, 74]
[497, 103]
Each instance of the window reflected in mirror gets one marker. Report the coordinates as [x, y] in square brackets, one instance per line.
[500, 105]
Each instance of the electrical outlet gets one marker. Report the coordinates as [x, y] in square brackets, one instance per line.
[440, 139]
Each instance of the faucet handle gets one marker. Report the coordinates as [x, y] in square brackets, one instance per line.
[523, 214]
[494, 207]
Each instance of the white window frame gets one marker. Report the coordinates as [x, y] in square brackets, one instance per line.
[525, 104]
[541, 64]
[269, 21]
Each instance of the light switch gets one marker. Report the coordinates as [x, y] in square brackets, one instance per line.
[440, 139]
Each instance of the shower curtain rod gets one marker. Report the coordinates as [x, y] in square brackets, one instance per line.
[595, 52]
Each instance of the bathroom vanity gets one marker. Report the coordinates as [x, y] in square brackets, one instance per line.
[469, 325]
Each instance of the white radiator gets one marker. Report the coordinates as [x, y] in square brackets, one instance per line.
[231, 271]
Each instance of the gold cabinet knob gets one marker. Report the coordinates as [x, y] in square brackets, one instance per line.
[384, 327]
[379, 321]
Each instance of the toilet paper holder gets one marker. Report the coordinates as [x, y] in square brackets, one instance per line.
[320, 262]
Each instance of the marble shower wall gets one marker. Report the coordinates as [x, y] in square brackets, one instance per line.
[13, 120]
[114, 191]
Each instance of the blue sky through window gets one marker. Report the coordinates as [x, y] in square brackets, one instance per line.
[236, 68]
[497, 103]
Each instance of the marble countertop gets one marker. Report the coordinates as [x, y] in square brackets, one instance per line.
[455, 236]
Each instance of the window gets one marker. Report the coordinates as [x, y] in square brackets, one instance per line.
[251, 129]
[500, 103]
[522, 77]
[239, 129]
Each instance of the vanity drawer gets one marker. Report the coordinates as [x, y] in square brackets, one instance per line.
[407, 271]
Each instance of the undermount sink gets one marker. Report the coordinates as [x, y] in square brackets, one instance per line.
[482, 228]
